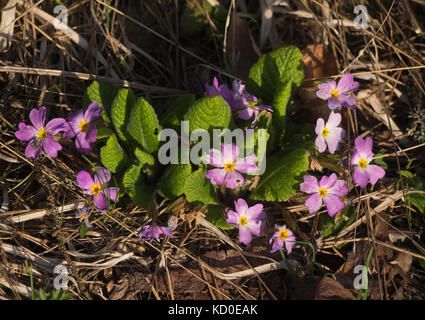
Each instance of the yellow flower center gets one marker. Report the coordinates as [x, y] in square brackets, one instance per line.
[96, 189]
[83, 215]
[42, 134]
[243, 221]
[84, 126]
[323, 192]
[229, 166]
[283, 234]
[325, 132]
[363, 163]
[335, 94]
[252, 105]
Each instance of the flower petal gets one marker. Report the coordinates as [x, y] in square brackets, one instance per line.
[25, 132]
[84, 181]
[347, 84]
[245, 236]
[102, 176]
[361, 176]
[246, 165]
[32, 151]
[93, 112]
[56, 125]
[320, 143]
[100, 202]
[313, 203]
[51, 147]
[255, 212]
[241, 207]
[310, 184]
[333, 204]
[234, 179]
[215, 158]
[232, 217]
[216, 175]
[111, 193]
[83, 146]
[375, 173]
[320, 125]
[230, 152]
[38, 117]
[348, 101]
[338, 189]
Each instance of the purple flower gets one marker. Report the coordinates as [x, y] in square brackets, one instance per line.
[337, 95]
[97, 187]
[83, 216]
[283, 236]
[153, 231]
[41, 136]
[222, 90]
[363, 171]
[329, 134]
[240, 101]
[246, 104]
[83, 126]
[248, 219]
[328, 190]
[227, 167]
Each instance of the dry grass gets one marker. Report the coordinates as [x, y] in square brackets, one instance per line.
[140, 46]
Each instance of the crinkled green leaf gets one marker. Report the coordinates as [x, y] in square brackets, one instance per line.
[103, 133]
[171, 184]
[176, 111]
[113, 156]
[217, 216]
[274, 69]
[281, 179]
[102, 93]
[120, 111]
[281, 100]
[207, 113]
[144, 195]
[143, 126]
[131, 178]
[198, 188]
[144, 157]
[83, 230]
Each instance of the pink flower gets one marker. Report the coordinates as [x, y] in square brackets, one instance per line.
[227, 167]
[83, 126]
[222, 90]
[328, 190]
[363, 171]
[41, 136]
[337, 95]
[246, 104]
[329, 134]
[283, 236]
[83, 216]
[153, 231]
[97, 187]
[248, 219]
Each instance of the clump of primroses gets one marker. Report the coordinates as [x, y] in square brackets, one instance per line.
[329, 190]
[244, 105]
[41, 136]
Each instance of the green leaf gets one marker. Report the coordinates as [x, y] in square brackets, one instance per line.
[83, 230]
[281, 179]
[104, 94]
[120, 111]
[143, 126]
[176, 111]
[406, 174]
[199, 188]
[418, 200]
[171, 184]
[42, 294]
[275, 69]
[281, 99]
[103, 133]
[217, 216]
[380, 161]
[208, 113]
[131, 179]
[113, 156]
[144, 157]
[144, 195]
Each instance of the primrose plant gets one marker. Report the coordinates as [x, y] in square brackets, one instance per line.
[210, 151]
